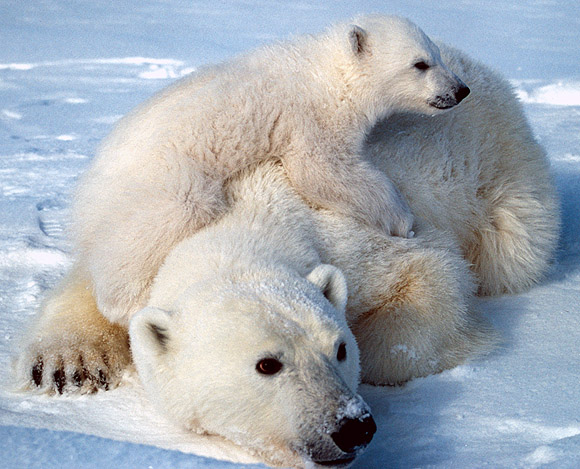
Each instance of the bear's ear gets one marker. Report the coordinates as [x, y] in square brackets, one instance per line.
[149, 331]
[331, 283]
[358, 40]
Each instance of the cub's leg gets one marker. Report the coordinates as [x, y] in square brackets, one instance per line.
[409, 301]
[70, 346]
[351, 186]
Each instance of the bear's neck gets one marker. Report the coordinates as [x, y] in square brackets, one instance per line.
[341, 105]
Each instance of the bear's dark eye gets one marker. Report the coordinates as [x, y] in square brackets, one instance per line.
[268, 366]
[421, 65]
[341, 353]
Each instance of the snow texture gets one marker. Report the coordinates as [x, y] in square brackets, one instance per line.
[69, 70]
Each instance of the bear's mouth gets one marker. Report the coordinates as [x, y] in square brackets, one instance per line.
[337, 462]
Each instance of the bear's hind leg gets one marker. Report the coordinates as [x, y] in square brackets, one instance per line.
[71, 347]
[409, 301]
[417, 321]
[515, 243]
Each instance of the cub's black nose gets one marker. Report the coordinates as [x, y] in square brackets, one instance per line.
[354, 433]
[462, 93]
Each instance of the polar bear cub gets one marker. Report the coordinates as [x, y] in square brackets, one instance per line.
[309, 103]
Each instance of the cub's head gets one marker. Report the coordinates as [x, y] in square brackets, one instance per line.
[265, 360]
[395, 67]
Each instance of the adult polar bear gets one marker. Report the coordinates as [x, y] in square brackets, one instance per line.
[479, 187]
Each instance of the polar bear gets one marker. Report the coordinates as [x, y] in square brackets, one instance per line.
[245, 336]
[309, 103]
[486, 220]
[245, 333]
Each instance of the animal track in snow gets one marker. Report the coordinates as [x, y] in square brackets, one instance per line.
[52, 218]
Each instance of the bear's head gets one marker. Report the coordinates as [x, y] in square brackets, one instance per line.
[264, 359]
[394, 67]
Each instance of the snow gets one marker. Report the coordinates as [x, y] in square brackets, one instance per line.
[560, 93]
[69, 70]
[355, 408]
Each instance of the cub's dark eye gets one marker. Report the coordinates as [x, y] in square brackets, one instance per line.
[421, 65]
[341, 353]
[268, 366]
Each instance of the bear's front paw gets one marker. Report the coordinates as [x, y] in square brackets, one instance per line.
[74, 363]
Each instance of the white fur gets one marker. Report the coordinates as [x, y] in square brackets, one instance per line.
[478, 172]
[241, 290]
[245, 288]
[217, 331]
[309, 103]
[254, 281]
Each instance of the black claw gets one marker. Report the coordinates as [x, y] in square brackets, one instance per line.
[59, 380]
[37, 372]
[103, 381]
[80, 374]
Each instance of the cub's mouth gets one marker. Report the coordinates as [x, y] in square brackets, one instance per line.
[441, 106]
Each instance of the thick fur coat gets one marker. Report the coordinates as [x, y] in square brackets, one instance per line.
[269, 278]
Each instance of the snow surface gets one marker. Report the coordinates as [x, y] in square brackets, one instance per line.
[69, 70]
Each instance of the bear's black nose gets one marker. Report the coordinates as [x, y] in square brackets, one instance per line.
[462, 93]
[354, 433]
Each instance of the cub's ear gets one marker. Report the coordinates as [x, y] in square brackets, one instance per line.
[358, 40]
[331, 283]
[149, 332]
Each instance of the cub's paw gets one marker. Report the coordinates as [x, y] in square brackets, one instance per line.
[74, 362]
[401, 225]
[393, 214]
[397, 221]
